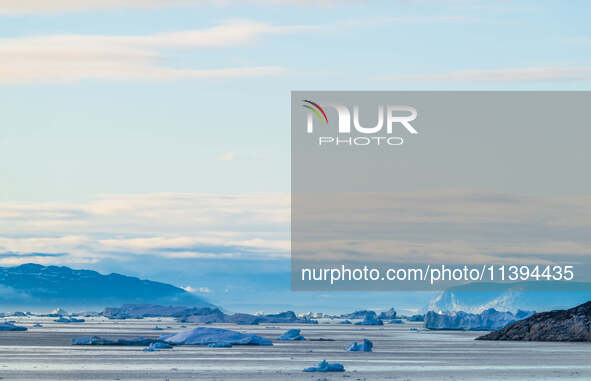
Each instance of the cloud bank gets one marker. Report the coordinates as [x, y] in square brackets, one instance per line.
[466, 226]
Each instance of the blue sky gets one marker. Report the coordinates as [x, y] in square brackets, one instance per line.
[112, 114]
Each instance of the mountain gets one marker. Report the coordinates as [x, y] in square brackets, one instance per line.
[32, 285]
[562, 325]
[478, 297]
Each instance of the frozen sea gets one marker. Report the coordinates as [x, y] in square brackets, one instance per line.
[45, 353]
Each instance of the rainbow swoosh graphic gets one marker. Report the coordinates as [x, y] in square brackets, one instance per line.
[315, 107]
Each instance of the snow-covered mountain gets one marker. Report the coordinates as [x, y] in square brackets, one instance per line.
[478, 297]
[32, 285]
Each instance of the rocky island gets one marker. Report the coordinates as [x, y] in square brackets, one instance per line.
[560, 325]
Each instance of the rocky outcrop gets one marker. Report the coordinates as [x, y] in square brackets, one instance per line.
[487, 320]
[560, 325]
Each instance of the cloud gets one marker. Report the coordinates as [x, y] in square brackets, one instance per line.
[71, 57]
[227, 156]
[529, 74]
[169, 225]
[43, 6]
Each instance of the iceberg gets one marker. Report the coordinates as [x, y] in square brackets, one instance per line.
[57, 312]
[388, 315]
[359, 315]
[488, 320]
[68, 320]
[370, 320]
[206, 336]
[6, 326]
[95, 340]
[323, 366]
[139, 311]
[292, 335]
[366, 346]
[217, 316]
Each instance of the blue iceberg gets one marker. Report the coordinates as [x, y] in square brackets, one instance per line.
[6, 326]
[370, 320]
[323, 366]
[292, 335]
[69, 320]
[206, 336]
[366, 346]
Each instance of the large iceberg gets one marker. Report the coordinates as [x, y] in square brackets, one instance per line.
[324, 366]
[366, 346]
[206, 336]
[488, 320]
[6, 326]
[292, 335]
[95, 340]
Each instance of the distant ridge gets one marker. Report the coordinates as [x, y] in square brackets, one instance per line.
[32, 285]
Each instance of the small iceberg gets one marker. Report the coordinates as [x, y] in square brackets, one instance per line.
[6, 326]
[206, 336]
[366, 346]
[292, 335]
[388, 315]
[323, 366]
[68, 320]
[95, 340]
[370, 320]
[157, 328]
[37, 325]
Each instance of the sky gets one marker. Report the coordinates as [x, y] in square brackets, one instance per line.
[157, 132]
